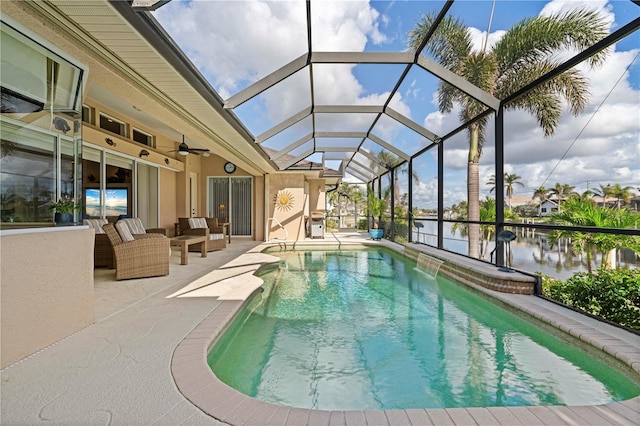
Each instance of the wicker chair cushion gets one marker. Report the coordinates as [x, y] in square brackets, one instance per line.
[197, 222]
[123, 231]
[135, 225]
[216, 236]
[95, 224]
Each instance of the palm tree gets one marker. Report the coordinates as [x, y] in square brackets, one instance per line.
[604, 192]
[387, 160]
[621, 193]
[524, 53]
[579, 212]
[542, 194]
[562, 192]
[510, 179]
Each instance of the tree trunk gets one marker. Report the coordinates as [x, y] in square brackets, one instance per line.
[473, 203]
[473, 191]
[609, 259]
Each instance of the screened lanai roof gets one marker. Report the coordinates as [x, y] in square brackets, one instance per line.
[331, 85]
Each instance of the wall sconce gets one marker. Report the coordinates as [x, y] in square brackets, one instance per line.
[110, 142]
[143, 153]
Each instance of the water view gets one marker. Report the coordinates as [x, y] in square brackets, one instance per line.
[531, 251]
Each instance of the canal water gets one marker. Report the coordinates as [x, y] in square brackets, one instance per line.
[531, 251]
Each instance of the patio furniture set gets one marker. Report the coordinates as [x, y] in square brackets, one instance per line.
[136, 252]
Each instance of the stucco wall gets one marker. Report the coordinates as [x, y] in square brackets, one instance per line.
[46, 283]
[293, 218]
[316, 195]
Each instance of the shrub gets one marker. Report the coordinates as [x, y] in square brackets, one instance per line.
[331, 224]
[363, 224]
[613, 294]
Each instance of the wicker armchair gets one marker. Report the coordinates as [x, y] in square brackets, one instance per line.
[103, 252]
[145, 256]
[137, 228]
[196, 226]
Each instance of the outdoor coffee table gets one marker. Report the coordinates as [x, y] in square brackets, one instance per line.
[184, 241]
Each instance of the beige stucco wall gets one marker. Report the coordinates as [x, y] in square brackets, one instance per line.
[316, 195]
[258, 208]
[46, 284]
[292, 219]
[168, 212]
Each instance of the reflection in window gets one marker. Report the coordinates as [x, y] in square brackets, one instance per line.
[41, 143]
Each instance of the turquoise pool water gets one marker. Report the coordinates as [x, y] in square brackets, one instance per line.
[356, 330]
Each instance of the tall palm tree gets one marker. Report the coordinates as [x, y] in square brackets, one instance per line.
[387, 159]
[604, 191]
[562, 192]
[622, 194]
[542, 194]
[524, 53]
[510, 179]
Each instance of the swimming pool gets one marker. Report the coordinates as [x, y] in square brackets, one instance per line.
[346, 330]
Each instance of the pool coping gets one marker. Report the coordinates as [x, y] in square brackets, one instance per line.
[197, 382]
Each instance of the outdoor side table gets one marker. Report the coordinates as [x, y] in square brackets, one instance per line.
[184, 241]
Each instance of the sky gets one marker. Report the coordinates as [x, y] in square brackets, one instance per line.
[235, 43]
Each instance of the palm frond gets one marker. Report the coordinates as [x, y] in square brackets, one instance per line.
[533, 39]
[450, 43]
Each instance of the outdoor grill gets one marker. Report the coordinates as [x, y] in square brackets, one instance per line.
[316, 220]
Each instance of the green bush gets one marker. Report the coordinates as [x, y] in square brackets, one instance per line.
[613, 294]
[363, 224]
[331, 224]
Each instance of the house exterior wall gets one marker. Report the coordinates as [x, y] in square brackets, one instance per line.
[317, 195]
[46, 282]
[293, 218]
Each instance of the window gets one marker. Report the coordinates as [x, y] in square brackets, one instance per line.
[87, 114]
[40, 139]
[112, 125]
[142, 137]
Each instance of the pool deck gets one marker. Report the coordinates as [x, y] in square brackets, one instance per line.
[143, 362]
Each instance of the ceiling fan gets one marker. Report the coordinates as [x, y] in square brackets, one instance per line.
[183, 149]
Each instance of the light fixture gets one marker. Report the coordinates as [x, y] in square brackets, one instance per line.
[110, 142]
[143, 153]
[206, 154]
[166, 161]
[183, 148]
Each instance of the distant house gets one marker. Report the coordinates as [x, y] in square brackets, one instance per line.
[547, 207]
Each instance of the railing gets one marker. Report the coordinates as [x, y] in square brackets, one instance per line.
[286, 233]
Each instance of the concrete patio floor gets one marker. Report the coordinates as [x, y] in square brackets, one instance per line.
[119, 370]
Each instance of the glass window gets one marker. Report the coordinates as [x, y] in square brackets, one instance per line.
[27, 163]
[142, 137]
[147, 194]
[112, 125]
[41, 141]
[119, 181]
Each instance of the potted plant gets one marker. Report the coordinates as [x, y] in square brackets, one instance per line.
[376, 207]
[64, 208]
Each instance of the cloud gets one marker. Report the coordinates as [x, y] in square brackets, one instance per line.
[600, 145]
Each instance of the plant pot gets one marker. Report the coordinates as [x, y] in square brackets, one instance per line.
[63, 217]
[376, 234]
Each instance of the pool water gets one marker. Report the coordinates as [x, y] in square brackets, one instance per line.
[357, 330]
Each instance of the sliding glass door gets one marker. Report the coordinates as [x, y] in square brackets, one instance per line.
[230, 199]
